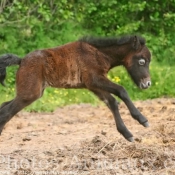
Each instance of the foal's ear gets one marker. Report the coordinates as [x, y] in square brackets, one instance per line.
[135, 43]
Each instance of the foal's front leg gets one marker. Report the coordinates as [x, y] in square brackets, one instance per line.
[112, 104]
[106, 85]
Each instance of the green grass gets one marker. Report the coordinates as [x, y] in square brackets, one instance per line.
[163, 77]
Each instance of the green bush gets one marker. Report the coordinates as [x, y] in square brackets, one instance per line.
[29, 25]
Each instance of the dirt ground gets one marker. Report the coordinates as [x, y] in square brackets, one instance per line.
[82, 139]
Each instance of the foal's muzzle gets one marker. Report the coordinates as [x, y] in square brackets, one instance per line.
[145, 83]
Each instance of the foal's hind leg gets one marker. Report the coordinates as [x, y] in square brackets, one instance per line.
[29, 88]
[6, 113]
[112, 104]
[5, 103]
[12, 108]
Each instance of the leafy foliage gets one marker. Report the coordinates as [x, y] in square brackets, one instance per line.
[154, 19]
[28, 25]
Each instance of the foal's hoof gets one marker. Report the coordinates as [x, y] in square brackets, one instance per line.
[130, 139]
[146, 124]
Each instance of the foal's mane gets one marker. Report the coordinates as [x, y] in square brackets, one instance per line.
[110, 41]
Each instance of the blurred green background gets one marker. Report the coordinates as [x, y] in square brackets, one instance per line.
[27, 25]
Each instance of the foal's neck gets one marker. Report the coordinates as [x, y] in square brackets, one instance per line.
[116, 54]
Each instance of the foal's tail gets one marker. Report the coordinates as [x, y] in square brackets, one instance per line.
[7, 60]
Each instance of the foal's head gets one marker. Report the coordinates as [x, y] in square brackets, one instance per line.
[137, 62]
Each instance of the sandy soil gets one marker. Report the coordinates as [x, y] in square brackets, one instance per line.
[82, 139]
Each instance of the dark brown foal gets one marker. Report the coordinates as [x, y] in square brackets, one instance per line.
[81, 64]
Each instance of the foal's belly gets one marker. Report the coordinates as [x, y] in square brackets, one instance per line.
[70, 78]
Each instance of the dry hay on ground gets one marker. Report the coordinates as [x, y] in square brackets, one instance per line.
[82, 139]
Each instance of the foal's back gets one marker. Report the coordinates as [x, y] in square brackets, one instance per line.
[67, 66]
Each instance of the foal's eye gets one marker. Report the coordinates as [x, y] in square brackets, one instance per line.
[141, 61]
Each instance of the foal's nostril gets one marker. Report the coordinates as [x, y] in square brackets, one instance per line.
[148, 83]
